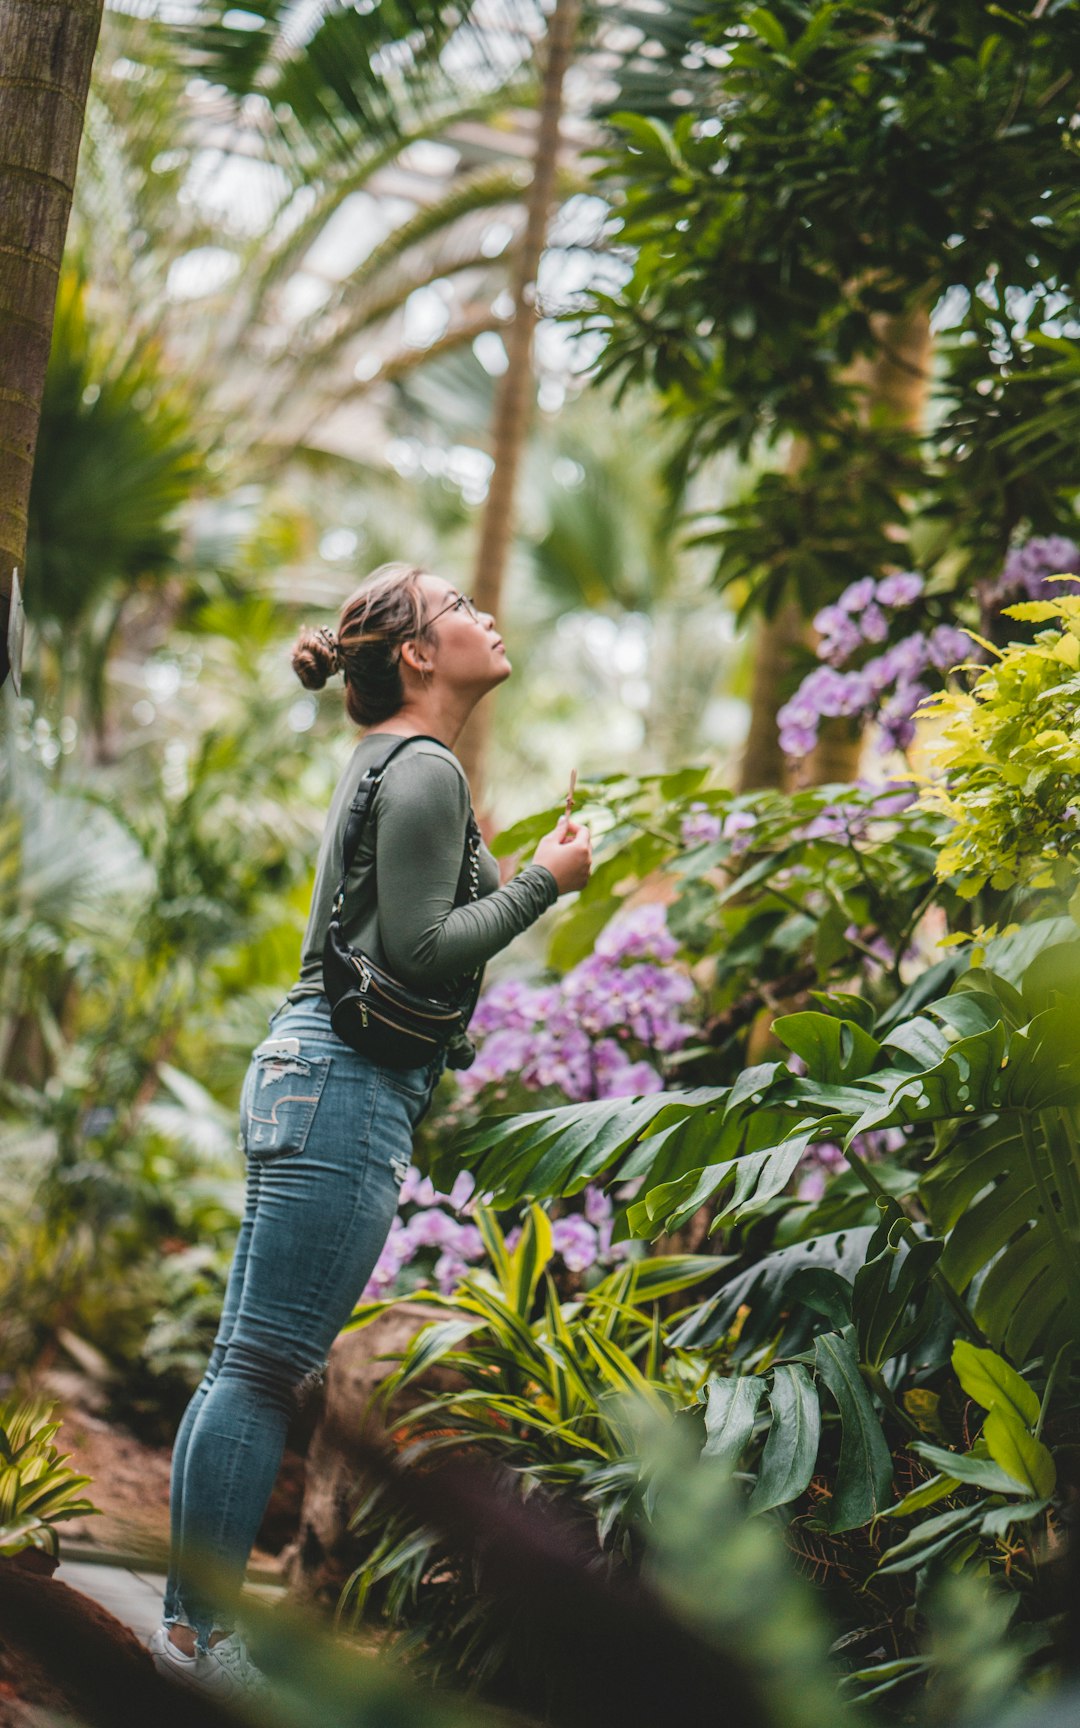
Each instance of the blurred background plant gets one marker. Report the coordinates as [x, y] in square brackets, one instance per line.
[37, 1490]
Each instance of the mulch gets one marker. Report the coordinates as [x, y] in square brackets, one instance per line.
[63, 1655]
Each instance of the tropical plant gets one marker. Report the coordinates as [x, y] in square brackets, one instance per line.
[542, 1387]
[37, 1490]
[118, 456]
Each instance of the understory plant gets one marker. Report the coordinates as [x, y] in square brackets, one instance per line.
[552, 1393]
[37, 1489]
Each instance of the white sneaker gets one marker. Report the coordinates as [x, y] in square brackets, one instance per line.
[225, 1671]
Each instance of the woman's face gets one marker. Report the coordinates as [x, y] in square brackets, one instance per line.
[469, 653]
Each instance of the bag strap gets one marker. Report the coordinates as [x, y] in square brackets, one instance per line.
[468, 883]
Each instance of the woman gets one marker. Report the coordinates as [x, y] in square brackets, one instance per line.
[326, 1131]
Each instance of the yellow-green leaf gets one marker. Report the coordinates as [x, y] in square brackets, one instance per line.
[988, 1378]
[1018, 1453]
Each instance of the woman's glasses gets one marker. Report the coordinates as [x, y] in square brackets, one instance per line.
[459, 601]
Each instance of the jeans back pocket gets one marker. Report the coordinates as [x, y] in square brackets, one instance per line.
[279, 1100]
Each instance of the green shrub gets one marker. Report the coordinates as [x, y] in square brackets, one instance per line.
[37, 1490]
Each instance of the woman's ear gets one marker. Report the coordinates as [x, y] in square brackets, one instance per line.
[415, 659]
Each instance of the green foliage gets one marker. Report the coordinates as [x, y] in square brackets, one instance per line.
[838, 1363]
[37, 1490]
[117, 456]
[857, 168]
[153, 950]
[1012, 1417]
[557, 1393]
[338, 90]
[1008, 761]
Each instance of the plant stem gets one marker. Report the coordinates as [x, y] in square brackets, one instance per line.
[1051, 1381]
[896, 1411]
[891, 1204]
[909, 927]
[1069, 1269]
[671, 840]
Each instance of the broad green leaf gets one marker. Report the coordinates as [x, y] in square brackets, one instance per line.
[842, 1005]
[864, 1476]
[990, 1380]
[730, 1412]
[787, 1462]
[574, 936]
[557, 1152]
[753, 1180]
[1018, 1452]
[678, 785]
[964, 1082]
[768, 27]
[825, 1292]
[967, 1012]
[920, 1039]
[884, 1290]
[835, 1051]
[528, 832]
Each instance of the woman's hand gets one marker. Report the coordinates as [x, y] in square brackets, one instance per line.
[567, 853]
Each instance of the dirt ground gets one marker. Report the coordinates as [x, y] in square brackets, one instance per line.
[130, 1486]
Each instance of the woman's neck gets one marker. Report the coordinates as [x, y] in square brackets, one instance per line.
[437, 715]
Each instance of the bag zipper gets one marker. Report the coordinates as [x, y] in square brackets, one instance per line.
[394, 1027]
[368, 981]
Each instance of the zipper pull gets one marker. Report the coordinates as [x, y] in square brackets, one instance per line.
[363, 1013]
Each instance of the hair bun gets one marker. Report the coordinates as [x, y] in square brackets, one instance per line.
[316, 657]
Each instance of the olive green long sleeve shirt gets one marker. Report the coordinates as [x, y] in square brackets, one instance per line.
[399, 898]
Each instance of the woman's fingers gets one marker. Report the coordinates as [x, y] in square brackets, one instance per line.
[567, 829]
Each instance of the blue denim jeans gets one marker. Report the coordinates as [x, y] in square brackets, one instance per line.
[328, 1138]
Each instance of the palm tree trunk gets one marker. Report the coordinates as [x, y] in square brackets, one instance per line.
[46, 52]
[777, 644]
[897, 381]
[514, 398]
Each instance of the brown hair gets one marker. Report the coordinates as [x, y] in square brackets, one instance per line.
[385, 611]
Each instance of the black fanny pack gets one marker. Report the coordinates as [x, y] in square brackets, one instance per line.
[369, 1009]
